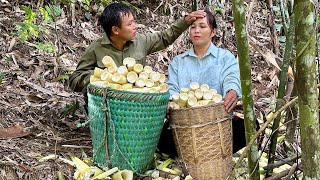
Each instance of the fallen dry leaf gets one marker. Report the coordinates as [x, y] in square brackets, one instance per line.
[13, 132]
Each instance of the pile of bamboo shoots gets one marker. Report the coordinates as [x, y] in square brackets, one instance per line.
[197, 95]
[130, 77]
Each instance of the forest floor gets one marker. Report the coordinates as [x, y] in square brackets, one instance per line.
[34, 93]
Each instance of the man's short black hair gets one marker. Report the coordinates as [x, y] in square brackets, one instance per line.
[111, 16]
[211, 19]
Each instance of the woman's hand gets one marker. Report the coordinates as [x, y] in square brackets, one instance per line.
[230, 100]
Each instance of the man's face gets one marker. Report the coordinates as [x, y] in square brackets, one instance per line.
[128, 28]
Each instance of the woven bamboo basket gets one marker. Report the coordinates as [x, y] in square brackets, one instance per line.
[203, 138]
[125, 127]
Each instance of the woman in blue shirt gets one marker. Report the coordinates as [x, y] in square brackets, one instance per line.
[206, 64]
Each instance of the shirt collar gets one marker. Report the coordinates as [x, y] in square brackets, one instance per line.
[212, 50]
[106, 40]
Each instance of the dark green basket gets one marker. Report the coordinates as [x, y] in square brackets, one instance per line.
[132, 122]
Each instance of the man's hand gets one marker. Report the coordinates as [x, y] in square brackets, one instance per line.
[190, 18]
[230, 100]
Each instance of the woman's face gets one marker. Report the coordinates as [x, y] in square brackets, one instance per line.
[200, 32]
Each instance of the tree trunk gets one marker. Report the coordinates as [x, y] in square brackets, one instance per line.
[238, 9]
[281, 93]
[307, 87]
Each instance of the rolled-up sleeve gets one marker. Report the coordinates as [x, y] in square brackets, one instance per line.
[173, 77]
[230, 75]
[160, 40]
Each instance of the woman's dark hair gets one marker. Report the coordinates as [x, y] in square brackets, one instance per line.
[211, 19]
[111, 16]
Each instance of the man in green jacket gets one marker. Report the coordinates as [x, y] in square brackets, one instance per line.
[121, 40]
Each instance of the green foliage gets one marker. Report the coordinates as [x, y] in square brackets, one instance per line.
[69, 109]
[30, 15]
[27, 30]
[2, 76]
[47, 47]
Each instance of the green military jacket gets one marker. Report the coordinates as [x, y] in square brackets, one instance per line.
[138, 49]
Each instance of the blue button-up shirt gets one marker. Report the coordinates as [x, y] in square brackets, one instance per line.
[218, 68]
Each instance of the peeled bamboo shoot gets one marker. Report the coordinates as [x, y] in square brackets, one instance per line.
[175, 97]
[162, 78]
[132, 77]
[208, 95]
[123, 70]
[204, 87]
[184, 90]
[149, 82]
[194, 86]
[108, 61]
[119, 78]
[112, 69]
[140, 82]
[198, 94]
[147, 69]
[143, 75]
[183, 98]
[129, 63]
[192, 102]
[217, 98]
[138, 68]
[155, 76]
[94, 78]
[127, 86]
[97, 72]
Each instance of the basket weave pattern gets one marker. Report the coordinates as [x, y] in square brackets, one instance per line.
[203, 138]
[132, 127]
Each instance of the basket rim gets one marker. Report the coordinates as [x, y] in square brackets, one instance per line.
[98, 90]
[198, 107]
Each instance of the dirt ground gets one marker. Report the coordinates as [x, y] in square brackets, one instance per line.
[33, 100]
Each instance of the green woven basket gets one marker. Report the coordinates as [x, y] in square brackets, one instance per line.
[132, 123]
